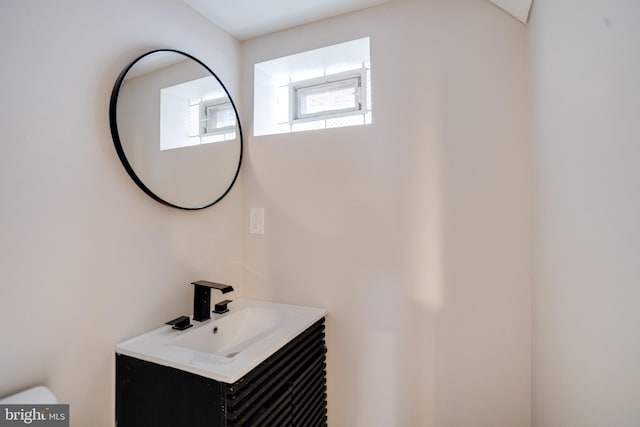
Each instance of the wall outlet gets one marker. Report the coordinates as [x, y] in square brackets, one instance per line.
[256, 223]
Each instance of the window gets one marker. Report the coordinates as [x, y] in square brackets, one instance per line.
[211, 120]
[329, 96]
[319, 89]
[195, 112]
[218, 117]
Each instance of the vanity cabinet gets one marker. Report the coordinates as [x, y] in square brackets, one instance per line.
[286, 389]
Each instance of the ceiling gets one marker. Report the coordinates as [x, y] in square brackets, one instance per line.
[246, 19]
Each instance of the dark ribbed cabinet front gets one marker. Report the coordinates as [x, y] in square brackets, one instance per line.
[287, 389]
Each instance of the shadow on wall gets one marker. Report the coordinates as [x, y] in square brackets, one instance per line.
[375, 265]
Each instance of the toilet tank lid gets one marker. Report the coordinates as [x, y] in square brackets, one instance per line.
[39, 395]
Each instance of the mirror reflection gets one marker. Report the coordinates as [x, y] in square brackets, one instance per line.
[176, 129]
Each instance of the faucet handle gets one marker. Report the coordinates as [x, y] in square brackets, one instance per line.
[221, 307]
[180, 323]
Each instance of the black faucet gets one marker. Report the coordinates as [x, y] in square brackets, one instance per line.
[202, 298]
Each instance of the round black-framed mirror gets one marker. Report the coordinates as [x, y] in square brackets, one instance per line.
[176, 129]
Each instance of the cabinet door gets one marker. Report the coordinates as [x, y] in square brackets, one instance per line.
[287, 389]
[150, 395]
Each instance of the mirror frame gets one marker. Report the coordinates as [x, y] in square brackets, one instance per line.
[113, 123]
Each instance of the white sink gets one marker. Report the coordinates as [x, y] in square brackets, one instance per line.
[227, 346]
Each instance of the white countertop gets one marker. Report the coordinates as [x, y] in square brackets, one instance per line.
[244, 337]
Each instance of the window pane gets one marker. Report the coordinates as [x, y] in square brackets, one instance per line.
[328, 97]
[318, 124]
[339, 122]
[219, 116]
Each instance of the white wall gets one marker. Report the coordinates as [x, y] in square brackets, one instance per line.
[86, 258]
[585, 63]
[414, 231]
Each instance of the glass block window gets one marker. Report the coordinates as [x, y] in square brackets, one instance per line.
[330, 101]
[323, 88]
[211, 120]
[326, 97]
[217, 117]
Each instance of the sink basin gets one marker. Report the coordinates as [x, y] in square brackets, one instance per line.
[228, 346]
[235, 332]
